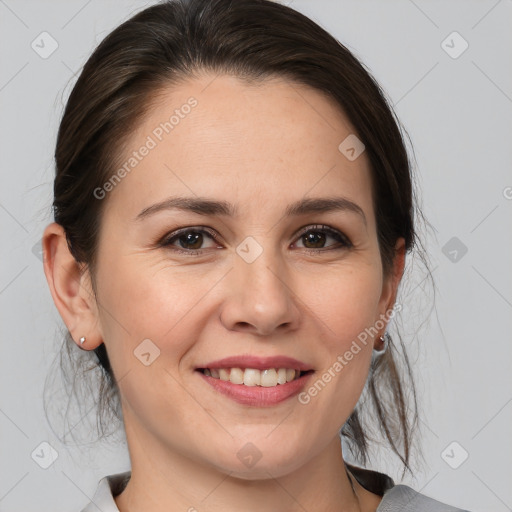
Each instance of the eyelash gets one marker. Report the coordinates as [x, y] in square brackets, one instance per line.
[343, 239]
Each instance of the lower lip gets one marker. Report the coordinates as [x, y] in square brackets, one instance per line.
[257, 396]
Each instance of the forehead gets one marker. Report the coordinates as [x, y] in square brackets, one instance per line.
[263, 143]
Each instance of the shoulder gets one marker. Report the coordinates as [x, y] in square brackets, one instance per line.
[405, 499]
[108, 487]
[397, 498]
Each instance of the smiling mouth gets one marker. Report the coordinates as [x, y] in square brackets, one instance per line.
[270, 377]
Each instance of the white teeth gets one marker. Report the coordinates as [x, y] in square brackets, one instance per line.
[252, 377]
[269, 378]
[236, 376]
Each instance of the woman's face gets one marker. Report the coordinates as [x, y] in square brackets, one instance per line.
[260, 283]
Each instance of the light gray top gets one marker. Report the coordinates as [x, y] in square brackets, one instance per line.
[395, 498]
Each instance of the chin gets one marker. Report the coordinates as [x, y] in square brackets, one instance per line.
[260, 471]
[250, 463]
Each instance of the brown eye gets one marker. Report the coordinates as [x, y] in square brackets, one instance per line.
[314, 237]
[190, 240]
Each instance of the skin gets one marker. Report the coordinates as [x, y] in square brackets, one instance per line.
[261, 147]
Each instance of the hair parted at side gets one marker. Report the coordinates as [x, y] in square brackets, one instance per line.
[253, 40]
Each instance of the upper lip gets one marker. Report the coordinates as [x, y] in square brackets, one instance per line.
[258, 363]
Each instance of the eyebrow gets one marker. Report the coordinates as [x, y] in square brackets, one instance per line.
[210, 207]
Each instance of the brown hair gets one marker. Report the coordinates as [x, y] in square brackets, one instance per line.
[252, 40]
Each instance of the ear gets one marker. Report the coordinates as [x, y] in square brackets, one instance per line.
[391, 283]
[71, 288]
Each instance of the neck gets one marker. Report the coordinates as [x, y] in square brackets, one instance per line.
[161, 480]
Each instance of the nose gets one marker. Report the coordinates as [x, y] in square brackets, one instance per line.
[260, 297]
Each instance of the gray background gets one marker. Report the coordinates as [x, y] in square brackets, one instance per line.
[458, 112]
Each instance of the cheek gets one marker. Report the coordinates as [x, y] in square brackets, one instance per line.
[345, 305]
[345, 299]
[165, 307]
[141, 302]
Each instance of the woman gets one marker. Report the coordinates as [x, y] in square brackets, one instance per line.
[233, 209]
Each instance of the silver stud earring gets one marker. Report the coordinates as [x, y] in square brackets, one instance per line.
[82, 340]
[383, 339]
